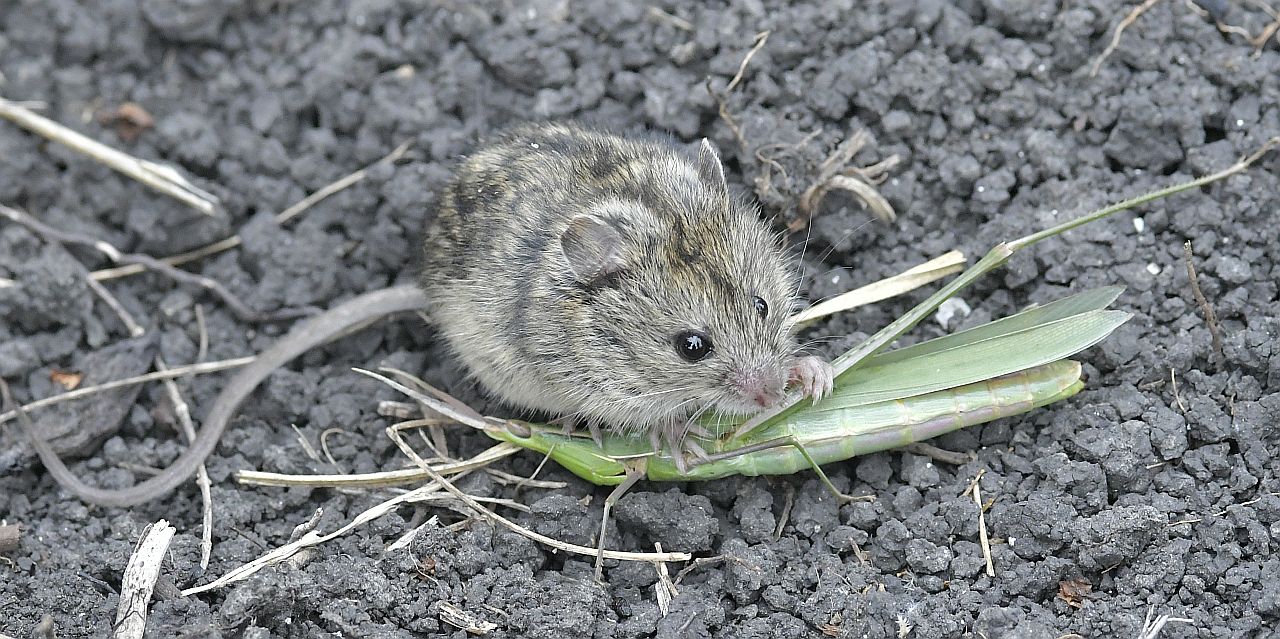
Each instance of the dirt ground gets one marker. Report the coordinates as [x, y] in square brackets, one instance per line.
[1153, 491]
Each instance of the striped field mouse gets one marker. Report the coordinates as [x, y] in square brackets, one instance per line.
[613, 281]
[610, 280]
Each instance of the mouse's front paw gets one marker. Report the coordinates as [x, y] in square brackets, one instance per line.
[814, 375]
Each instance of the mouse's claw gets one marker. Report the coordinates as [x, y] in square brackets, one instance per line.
[678, 444]
[568, 424]
[814, 375]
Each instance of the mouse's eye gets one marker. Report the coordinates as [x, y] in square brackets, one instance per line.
[693, 346]
[761, 306]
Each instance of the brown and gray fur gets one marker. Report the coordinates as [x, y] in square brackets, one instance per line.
[564, 261]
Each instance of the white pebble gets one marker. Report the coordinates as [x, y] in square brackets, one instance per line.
[1153, 268]
[951, 309]
[1139, 224]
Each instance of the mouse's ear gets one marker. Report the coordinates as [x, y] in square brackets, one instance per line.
[709, 166]
[592, 247]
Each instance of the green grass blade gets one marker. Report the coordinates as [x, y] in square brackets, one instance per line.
[1092, 300]
[975, 361]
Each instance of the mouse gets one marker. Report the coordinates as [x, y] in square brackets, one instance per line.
[610, 280]
[614, 281]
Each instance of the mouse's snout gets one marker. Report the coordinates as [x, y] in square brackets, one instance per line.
[760, 386]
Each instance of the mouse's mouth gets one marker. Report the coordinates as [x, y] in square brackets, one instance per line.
[738, 405]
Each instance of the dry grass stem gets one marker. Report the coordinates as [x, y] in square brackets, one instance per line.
[130, 324]
[183, 412]
[1177, 396]
[983, 539]
[380, 479]
[84, 391]
[242, 310]
[172, 260]
[140, 579]
[834, 173]
[720, 97]
[462, 414]
[160, 177]
[475, 506]
[503, 477]
[342, 183]
[1115, 36]
[911, 279]
[463, 620]
[760, 40]
[673, 20]
[404, 540]
[664, 590]
[229, 243]
[310, 539]
[1151, 626]
[202, 330]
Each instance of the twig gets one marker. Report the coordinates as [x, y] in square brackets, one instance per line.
[1210, 317]
[140, 579]
[379, 479]
[760, 39]
[341, 183]
[1177, 397]
[719, 96]
[229, 243]
[202, 351]
[183, 413]
[939, 454]
[1115, 36]
[787, 504]
[982, 521]
[324, 445]
[135, 330]
[130, 324]
[172, 260]
[674, 20]
[1151, 627]
[311, 538]
[160, 177]
[194, 369]
[242, 310]
[521, 530]
[708, 561]
[503, 477]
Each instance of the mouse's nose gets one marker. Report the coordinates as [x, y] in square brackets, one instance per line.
[760, 387]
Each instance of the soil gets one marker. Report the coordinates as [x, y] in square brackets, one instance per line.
[1153, 491]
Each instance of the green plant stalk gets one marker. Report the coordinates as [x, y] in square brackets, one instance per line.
[827, 436]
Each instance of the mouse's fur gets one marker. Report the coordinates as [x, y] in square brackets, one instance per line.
[564, 261]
